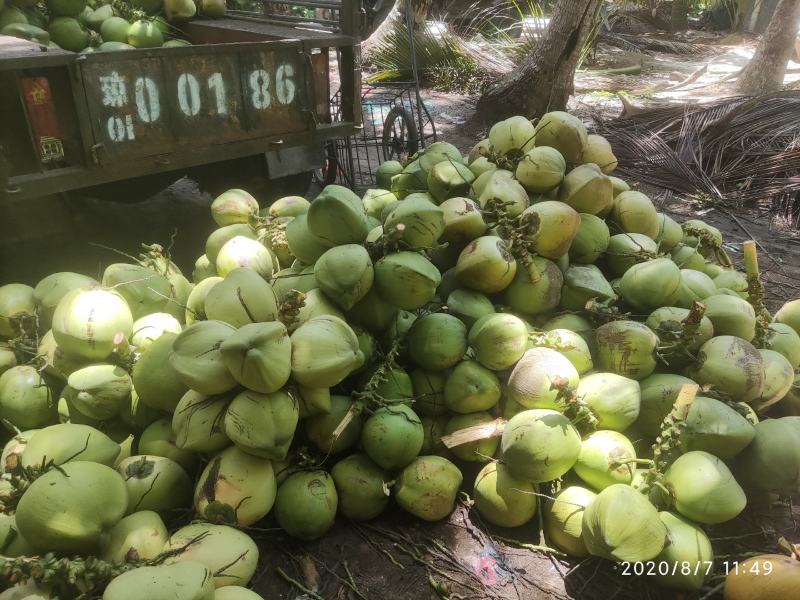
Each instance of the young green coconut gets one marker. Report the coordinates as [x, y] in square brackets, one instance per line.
[540, 445]
[392, 436]
[154, 483]
[621, 524]
[406, 280]
[627, 348]
[539, 295]
[142, 535]
[530, 383]
[688, 545]
[262, 424]
[627, 249]
[25, 399]
[233, 206]
[197, 422]
[771, 462]
[501, 498]
[478, 450]
[321, 427]
[241, 298]
[427, 487]
[69, 442]
[197, 358]
[613, 399]
[583, 283]
[306, 504]
[731, 315]
[362, 487]
[564, 132]
[486, 265]
[563, 519]
[606, 458]
[325, 350]
[417, 219]
[468, 305]
[658, 395]
[471, 387]
[188, 580]
[587, 190]
[337, 216]
[732, 366]
[498, 340]
[591, 240]
[437, 341]
[235, 488]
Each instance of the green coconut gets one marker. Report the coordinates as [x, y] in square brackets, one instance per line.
[620, 524]
[320, 428]
[68, 33]
[115, 29]
[503, 499]
[337, 216]
[235, 488]
[771, 462]
[540, 445]
[324, 351]
[778, 379]
[306, 504]
[627, 249]
[463, 221]
[481, 149]
[478, 450]
[563, 519]
[197, 358]
[687, 257]
[482, 165]
[197, 422]
[259, 356]
[572, 322]
[233, 206]
[394, 384]
[587, 190]
[155, 483]
[668, 323]
[139, 536]
[598, 151]
[434, 428]
[716, 428]
[439, 152]
[486, 265]
[703, 488]
[69, 510]
[303, 244]
[385, 171]
[345, 274]
[316, 304]
[67, 442]
[590, 241]
[564, 132]
[541, 169]
[25, 399]
[8, 358]
[783, 339]
[687, 557]
[189, 580]
[669, 233]
[732, 366]
[567, 343]
[262, 424]
[428, 389]
[392, 436]
[219, 237]
[532, 380]
[144, 290]
[498, 188]
[512, 136]
[98, 16]
[613, 399]
[287, 280]
[418, 221]
[633, 212]
[196, 302]
[556, 224]
[498, 340]
[626, 348]
[158, 439]
[650, 285]
[658, 395]
[470, 388]
[157, 383]
[242, 251]
[361, 486]
[583, 283]
[229, 554]
[99, 391]
[701, 235]
[242, 297]
[148, 328]
[437, 341]
[789, 314]
[86, 323]
[372, 312]
[49, 292]
[731, 315]
[427, 488]
[236, 592]
[468, 305]
[11, 541]
[606, 458]
[411, 180]
[448, 179]
[408, 280]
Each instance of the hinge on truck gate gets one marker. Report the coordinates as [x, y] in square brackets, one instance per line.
[95, 152]
[5, 175]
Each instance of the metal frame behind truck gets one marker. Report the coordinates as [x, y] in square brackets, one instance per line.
[247, 87]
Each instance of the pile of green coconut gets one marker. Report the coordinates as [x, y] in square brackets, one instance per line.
[103, 25]
[516, 330]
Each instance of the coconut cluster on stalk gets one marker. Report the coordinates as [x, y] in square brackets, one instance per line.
[518, 313]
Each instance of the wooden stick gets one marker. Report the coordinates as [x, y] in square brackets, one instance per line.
[685, 398]
[484, 431]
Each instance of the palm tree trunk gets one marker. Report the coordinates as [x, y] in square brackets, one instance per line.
[680, 15]
[545, 79]
[765, 71]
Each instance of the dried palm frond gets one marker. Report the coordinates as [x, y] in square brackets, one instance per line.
[739, 151]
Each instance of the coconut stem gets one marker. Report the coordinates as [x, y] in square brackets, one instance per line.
[289, 309]
[755, 291]
[666, 444]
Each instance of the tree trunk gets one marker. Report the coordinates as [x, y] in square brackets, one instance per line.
[679, 20]
[420, 10]
[545, 79]
[765, 71]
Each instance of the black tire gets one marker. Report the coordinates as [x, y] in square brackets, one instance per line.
[328, 173]
[250, 174]
[400, 134]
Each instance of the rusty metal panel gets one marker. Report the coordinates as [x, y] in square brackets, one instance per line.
[204, 95]
[275, 91]
[126, 102]
[321, 85]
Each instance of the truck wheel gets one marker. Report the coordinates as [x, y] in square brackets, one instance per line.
[130, 191]
[400, 134]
